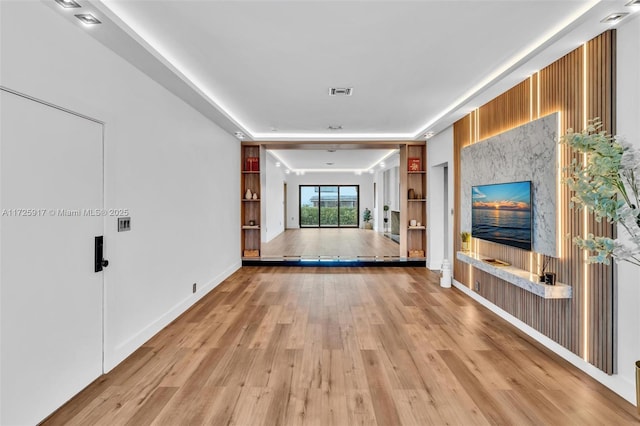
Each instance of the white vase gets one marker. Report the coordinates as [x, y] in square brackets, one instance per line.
[248, 194]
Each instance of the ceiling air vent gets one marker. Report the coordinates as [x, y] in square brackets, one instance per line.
[340, 91]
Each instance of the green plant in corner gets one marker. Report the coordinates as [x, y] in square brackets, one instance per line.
[366, 215]
[607, 184]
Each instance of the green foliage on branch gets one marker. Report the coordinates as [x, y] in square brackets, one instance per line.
[607, 185]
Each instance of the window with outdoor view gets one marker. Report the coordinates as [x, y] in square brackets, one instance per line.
[329, 206]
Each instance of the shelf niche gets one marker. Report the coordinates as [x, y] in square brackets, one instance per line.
[250, 209]
[413, 181]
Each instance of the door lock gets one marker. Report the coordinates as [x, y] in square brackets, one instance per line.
[99, 262]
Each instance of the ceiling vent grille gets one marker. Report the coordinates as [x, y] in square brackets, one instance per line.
[340, 91]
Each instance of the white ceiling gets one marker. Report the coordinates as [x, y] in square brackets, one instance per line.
[361, 160]
[265, 67]
[271, 63]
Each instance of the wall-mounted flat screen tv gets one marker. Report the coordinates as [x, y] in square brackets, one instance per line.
[501, 213]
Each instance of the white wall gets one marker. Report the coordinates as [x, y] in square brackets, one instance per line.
[392, 188]
[628, 125]
[439, 155]
[378, 211]
[175, 170]
[272, 200]
[293, 195]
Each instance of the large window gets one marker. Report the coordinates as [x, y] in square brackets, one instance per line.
[329, 206]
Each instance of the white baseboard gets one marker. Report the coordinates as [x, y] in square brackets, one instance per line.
[122, 351]
[620, 385]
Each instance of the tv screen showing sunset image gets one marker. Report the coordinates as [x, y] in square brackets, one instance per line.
[502, 213]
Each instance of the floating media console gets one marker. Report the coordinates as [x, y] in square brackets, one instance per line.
[518, 277]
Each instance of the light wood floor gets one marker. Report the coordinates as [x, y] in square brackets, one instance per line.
[343, 242]
[342, 346]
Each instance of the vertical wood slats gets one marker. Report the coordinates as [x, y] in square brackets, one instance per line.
[558, 87]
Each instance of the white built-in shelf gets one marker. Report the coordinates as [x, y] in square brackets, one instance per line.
[416, 199]
[518, 277]
[250, 227]
[416, 227]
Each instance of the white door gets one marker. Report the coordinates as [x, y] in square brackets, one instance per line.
[50, 297]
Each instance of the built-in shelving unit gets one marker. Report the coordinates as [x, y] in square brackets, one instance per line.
[250, 207]
[413, 200]
[518, 277]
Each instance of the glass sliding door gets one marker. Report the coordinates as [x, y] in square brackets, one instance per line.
[348, 196]
[309, 206]
[329, 206]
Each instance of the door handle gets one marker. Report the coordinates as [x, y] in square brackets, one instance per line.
[99, 262]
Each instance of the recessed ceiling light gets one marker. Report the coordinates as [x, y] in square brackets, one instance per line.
[633, 3]
[68, 4]
[371, 171]
[277, 164]
[286, 172]
[331, 150]
[358, 172]
[382, 164]
[88, 19]
[614, 17]
[340, 91]
[429, 135]
[329, 164]
[334, 127]
[239, 135]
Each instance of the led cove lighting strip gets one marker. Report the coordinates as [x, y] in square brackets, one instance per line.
[585, 229]
[513, 61]
[156, 48]
[332, 136]
[538, 88]
[115, 7]
[360, 171]
[559, 188]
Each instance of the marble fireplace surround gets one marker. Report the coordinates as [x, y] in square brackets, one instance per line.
[527, 152]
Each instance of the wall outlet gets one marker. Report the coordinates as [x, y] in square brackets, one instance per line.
[476, 287]
[194, 287]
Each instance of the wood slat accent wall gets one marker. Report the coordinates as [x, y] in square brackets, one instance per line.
[580, 86]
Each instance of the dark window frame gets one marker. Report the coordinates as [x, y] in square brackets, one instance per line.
[357, 225]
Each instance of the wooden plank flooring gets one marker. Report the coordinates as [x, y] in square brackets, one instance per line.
[344, 242]
[342, 346]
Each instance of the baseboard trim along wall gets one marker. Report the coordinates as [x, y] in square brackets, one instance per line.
[614, 382]
[122, 351]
